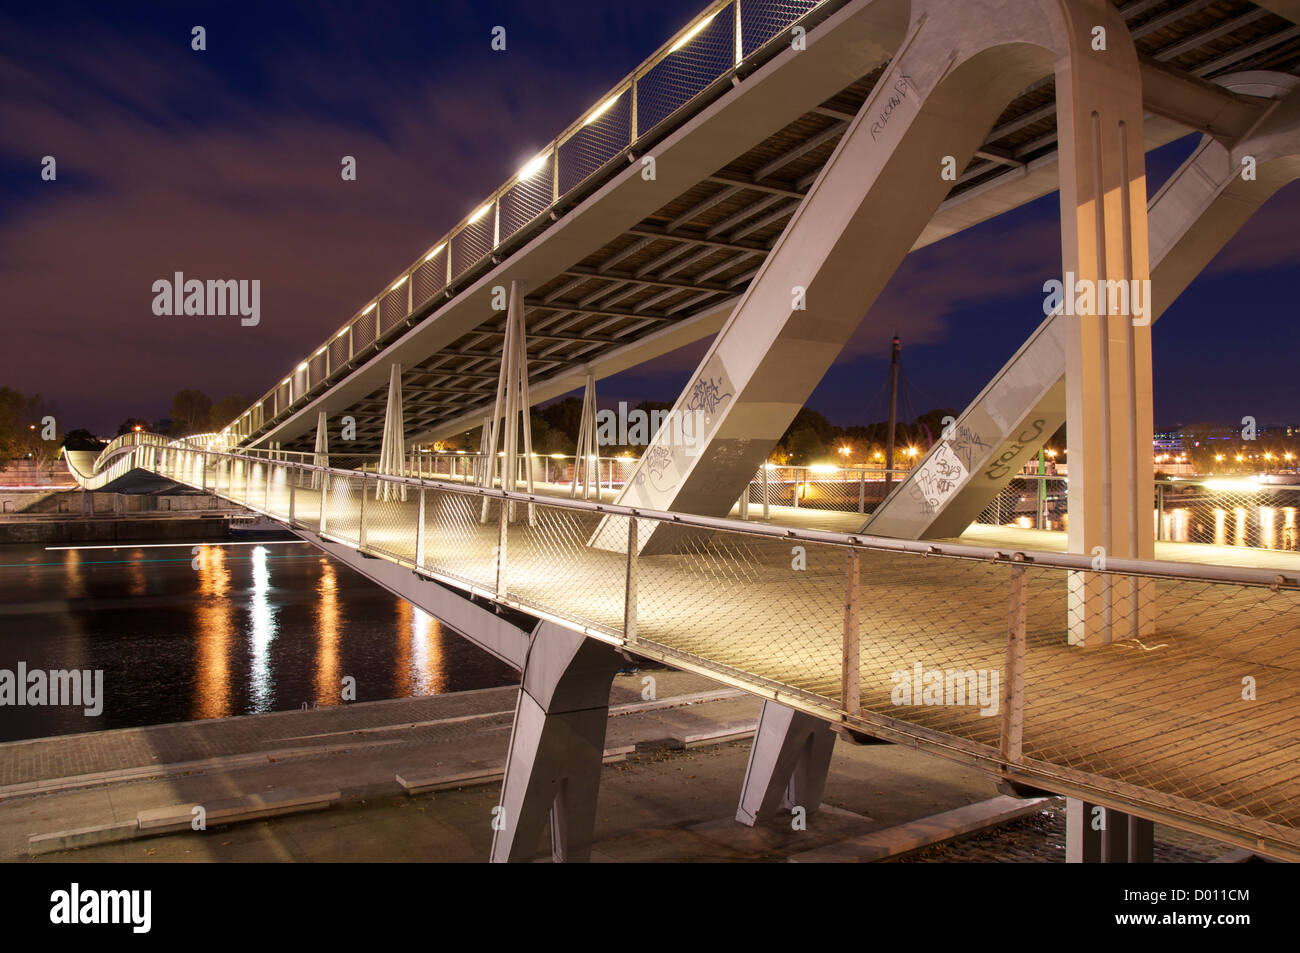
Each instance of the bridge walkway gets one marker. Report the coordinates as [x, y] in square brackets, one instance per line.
[1164, 716]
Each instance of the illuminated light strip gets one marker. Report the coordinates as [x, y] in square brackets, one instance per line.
[690, 34]
[480, 213]
[432, 254]
[601, 109]
[530, 170]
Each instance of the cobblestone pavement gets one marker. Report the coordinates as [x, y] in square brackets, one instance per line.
[1040, 838]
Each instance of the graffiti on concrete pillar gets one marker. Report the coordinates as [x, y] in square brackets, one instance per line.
[707, 397]
[938, 479]
[655, 469]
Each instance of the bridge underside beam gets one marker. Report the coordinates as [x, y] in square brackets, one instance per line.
[490, 631]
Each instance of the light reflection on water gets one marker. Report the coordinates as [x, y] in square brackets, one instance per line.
[250, 629]
[1253, 526]
[213, 635]
[262, 632]
[328, 681]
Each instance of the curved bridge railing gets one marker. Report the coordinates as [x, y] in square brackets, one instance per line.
[682, 76]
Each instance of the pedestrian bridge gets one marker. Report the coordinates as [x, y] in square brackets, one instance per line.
[1194, 728]
[756, 182]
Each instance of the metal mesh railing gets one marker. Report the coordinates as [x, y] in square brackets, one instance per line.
[1238, 513]
[687, 70]
[762, 20]
[600, 139]
[430, 276]
[824, 487]
[1229, 513]
[1029, 502]
[528, 197]
[1166, 685]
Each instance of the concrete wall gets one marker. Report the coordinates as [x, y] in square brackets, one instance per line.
[53, 502]
[110, 530]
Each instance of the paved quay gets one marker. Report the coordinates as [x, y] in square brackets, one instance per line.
[668, 793]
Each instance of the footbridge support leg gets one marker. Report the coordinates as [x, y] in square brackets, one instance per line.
[557, 747]
[788, 764]
[1100, 835]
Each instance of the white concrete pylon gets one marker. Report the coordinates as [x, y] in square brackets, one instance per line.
[1107, 351]
[586, 458]
[322, 451]
[788, 763]
[483, 472]
[1101, 835]
[392, 448]
[512, 411]
[1193, 216]
[557, 747]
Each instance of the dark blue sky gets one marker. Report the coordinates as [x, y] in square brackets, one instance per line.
[225, 162]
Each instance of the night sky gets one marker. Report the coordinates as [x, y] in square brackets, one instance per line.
[225, 163]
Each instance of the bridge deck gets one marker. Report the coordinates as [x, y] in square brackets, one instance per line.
[1165, 715]
[1011, 538]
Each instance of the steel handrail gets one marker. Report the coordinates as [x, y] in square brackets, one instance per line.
[1269, 578]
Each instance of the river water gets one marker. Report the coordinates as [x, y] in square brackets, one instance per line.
[233, 630]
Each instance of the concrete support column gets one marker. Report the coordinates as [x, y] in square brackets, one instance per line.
[557, 746]
[321, 457]
[788, 764]
[393, 446]
[1099, 835]
[1107, 346]
[1190, 219]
